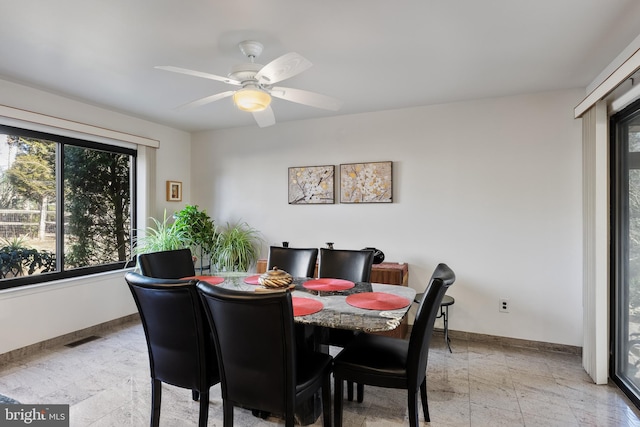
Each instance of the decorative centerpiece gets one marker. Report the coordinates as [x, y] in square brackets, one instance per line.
[275, 279]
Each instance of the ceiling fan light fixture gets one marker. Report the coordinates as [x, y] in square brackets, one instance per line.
[251, 99]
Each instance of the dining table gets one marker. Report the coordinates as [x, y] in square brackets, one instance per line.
[333, 303]
[320, 304]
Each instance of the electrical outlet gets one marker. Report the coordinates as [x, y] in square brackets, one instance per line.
[504, 305]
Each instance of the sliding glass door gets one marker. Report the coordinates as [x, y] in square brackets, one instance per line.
[625, 251]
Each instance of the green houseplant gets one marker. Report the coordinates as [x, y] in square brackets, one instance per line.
[162, 236]
[237, 247]
[199, 231]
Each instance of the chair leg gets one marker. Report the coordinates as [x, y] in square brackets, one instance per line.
[204, 408]
[227, 413]
[156, 398]
[195, 395]
[337, 402]
[412, 397]
[359, 392]
[289, 419]
[425, 404]
[326, 400]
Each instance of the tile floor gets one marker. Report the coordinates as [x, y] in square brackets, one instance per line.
[106, 382]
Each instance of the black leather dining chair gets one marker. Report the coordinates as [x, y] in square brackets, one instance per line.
[352, 265]
[298, 262]
[346, 264]
[260, 367]
[178, 335]
[173, 264]
[391, 362]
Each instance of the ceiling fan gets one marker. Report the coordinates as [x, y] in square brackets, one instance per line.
[256, 84]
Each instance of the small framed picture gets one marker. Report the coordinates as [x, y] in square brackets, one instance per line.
[174, 191]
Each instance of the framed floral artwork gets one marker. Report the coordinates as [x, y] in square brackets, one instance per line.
[366, 182]
[310, 185]
[174, 191]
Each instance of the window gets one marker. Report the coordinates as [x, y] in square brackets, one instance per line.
[65, 206]
[625, 245]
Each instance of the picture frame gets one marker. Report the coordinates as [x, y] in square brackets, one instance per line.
[174, 191]
[366, 182]
[309, 185]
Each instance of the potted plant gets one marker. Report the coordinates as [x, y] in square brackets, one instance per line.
[199, 231]
[163, 236]
[237, 247]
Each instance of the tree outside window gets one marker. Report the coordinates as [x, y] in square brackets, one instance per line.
[65, 207]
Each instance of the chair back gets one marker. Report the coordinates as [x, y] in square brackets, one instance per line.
[422, 329]
[298, 262]
[178, 335]
[173, 264]
[346, 264]
[254, 339]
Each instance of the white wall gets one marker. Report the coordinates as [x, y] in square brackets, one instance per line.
[32, 314]
[491, 187]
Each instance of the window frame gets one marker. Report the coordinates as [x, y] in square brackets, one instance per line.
[83, 143]
[622, 162]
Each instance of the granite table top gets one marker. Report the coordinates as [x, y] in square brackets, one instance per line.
[337, 313]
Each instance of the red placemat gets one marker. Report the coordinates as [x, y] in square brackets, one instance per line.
[326, 284]
[252, 280]
[212, 280]
[304, 306]
[377, 301]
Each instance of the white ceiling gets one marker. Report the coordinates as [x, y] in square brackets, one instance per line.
[372, 54]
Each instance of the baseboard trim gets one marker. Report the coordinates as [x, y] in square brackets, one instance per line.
[62, 340]
[514, 342]
[20, 353]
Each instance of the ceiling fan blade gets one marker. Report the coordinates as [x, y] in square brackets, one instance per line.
[265, 117]
[206, 100]
[284, 67]
[305, 97]
[198, 74]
